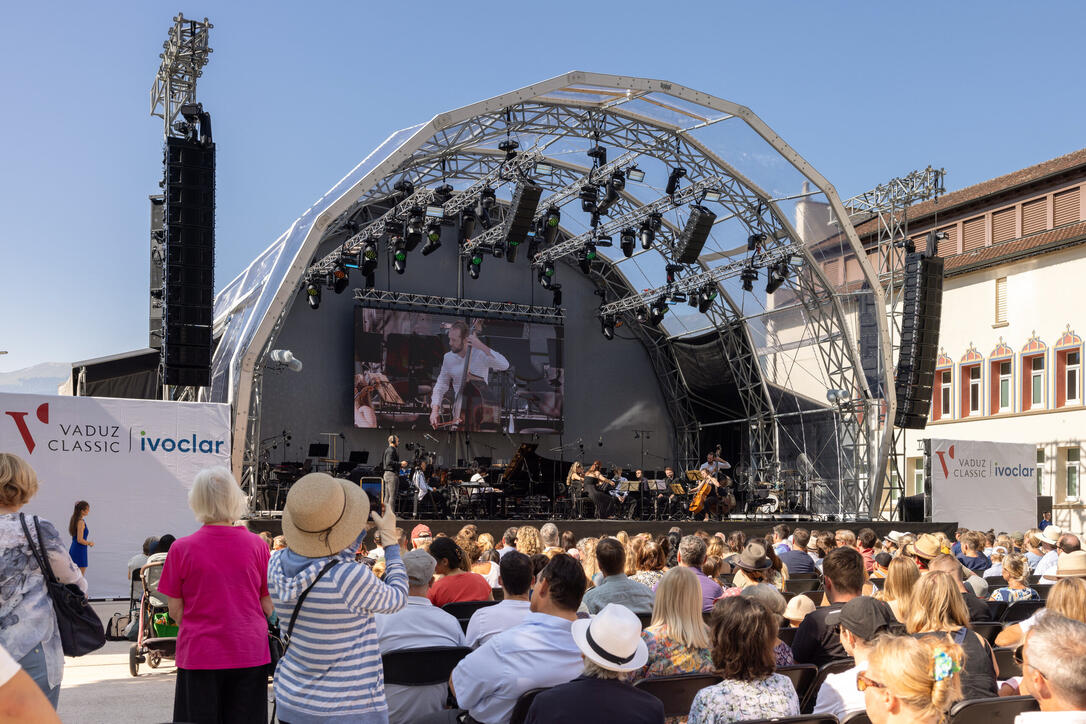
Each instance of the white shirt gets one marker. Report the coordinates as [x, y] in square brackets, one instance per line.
[452, 371]
[491, 620]
[838, 695]
[416, 625]
[420, 484]
[1048, 563]
[9, 667]
[715, 466]
[1051, 717]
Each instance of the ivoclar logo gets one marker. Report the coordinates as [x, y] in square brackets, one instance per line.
[181, 445]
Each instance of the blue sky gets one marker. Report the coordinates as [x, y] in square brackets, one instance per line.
[299, 92]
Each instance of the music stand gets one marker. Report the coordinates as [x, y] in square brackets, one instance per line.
[359, 457]
[318, 450]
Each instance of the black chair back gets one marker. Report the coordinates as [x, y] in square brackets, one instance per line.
[834, 667]
[646, 619]
[1021, 610]
[463, 610]
[801, 676]
[815, 596]
[801, 585]
[856, 717]
[988, 630]
[995, 710]
[1004, 658]
[677, 692]
[422, 667]
[497, 593]
[787, 634]
[996, 608]
[1043, 589]
[524, 703]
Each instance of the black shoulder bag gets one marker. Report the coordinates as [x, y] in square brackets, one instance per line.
[278, 643]
[80, 628]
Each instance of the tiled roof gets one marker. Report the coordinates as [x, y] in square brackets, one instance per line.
[946, 203]
[1044, 240]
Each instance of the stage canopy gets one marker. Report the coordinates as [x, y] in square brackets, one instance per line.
[782, 352]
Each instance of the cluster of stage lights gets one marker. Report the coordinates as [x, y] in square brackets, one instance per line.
[776, 273]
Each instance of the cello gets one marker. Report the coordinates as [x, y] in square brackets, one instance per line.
[697, 504]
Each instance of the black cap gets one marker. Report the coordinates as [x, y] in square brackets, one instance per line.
[866, 617]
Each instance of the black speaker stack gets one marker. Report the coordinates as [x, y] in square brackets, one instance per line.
[693, 236]
[189, 260]
[922, 308]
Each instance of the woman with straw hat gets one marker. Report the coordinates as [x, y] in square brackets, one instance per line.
[331, 670]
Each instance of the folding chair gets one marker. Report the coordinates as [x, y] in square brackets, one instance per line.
[787, 634]
[834, 667]
[423, 666]
[802, 585]
[1043, 589]
[677, 692]
[988, 630]
[856, 717]
[994, 710]
[815, 596]
[646, 619]
[463, 610]
[801, 676]
[1021, 610]
[497, 593]
[1004, 657]
[997, 608]
[524, 703]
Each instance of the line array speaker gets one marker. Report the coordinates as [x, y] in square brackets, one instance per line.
[521, 210]
[869, 340]
[158, 256]
[921, 313]
[693, 236]
[189, 263]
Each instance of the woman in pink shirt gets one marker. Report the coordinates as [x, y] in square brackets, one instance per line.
[216, 583]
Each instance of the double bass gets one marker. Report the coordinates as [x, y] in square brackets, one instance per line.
[475, 406]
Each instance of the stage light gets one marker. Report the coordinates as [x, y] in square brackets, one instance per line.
[642, 314]
[534, 245]
[443, 193]
[399, 255]
[487, 198]
[584, 262]
[433, 238]
[777, 274]
[711, 195]
[671, 270]
[546, 274]
[544, 170]
[498, 250]
[647, 232]
[626, 242]
[680, 297]
[556, 296]
[657, 311]
[467, 224]
[340, 280]
[435, 212]
[607, 325]
[749, 275]
[673, 180]
[615, 185]
[633, 173]
[754, 241]
[692, 300]
[404, 188]
[589, 196]
[551, 222]
[706, 297]
[475, 264]
[369, 258]
[313, 294]
[413, 233]
[590, 251]
[598, 154]
[509, 146]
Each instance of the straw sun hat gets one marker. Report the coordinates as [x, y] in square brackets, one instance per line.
[323, 515]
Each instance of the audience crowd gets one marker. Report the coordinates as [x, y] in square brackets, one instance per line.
[544, 627]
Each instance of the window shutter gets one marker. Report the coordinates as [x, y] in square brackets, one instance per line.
[852, 269]
[833, 271]
[1033, 216]
[1001, 300]
[1003, 225]
[949, 245]
[973, 234]
[1066, 207]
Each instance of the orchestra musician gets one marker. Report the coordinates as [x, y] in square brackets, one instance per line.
[620, 492]
[485, 492]
[575, 485]
[667, 500]
[364, 414]
[483, 360]
[597, 487]
[636, 502]
[423, 488]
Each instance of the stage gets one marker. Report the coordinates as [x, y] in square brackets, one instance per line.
[595, 528]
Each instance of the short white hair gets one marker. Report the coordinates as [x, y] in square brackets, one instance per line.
[216, 497]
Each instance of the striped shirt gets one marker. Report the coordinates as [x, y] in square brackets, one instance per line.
[332, 669]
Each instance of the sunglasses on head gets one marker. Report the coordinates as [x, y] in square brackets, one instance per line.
[864, 682]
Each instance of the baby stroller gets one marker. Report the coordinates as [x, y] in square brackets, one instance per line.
[157, 632]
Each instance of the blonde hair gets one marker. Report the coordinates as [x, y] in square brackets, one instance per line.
[907, 667]
[677, 608]
[18, 481]
[486, 542]
[528, 541]
[587, 546]
[1015, 568]
[901, 577]
[715, 548]
[622, 537]
[936, 605]
[1068, 598]
[574, 468]
[216, 497]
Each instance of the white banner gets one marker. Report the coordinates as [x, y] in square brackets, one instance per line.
[132, 460]
[984, 485]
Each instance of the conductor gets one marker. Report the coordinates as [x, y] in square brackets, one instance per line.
[390, 464]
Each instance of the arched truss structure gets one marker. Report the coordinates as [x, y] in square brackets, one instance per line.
[797, 343]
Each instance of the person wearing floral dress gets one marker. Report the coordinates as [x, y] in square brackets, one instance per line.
[1016, 574]
[677, 639]
[744, 632]
[650, 564]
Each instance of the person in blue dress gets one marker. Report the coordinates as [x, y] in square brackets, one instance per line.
[77, 526]
[1016, 574]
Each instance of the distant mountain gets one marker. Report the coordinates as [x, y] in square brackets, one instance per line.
[43, 379]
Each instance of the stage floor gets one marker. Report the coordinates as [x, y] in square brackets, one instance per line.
[595, 528]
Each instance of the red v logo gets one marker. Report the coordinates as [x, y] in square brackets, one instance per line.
[20, 422]
[942, 459]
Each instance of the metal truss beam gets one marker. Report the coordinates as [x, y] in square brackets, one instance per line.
[453, 305]
[184, 55]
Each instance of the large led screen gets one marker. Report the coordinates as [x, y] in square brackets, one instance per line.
[435, 372]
